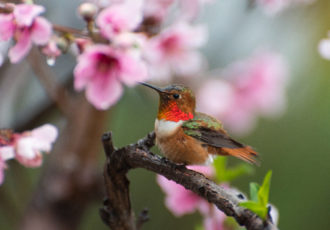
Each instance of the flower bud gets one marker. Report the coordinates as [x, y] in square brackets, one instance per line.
[62, 43]
[87, 10]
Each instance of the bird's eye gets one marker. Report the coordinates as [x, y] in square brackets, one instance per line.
[176, 96]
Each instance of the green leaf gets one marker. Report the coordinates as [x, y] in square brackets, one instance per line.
[259, 197]
[255, 207]
[263, 193]
[254, 188]
[224, 174]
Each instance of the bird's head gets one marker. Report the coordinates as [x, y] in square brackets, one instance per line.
[176, 102]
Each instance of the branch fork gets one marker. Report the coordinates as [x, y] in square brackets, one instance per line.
[116, 211]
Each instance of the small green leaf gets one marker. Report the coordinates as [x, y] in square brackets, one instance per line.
[254, 188]
[263, 193]
[255, 207]
[259, 197]
[224, 174]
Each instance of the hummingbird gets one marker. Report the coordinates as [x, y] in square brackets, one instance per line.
[188, 137]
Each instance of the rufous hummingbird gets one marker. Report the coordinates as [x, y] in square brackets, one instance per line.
[189, 137]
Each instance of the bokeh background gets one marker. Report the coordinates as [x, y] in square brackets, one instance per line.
[295, 146]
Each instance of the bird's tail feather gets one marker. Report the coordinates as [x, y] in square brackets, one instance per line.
[246, 153]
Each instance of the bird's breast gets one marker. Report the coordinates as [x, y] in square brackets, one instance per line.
[164, 128]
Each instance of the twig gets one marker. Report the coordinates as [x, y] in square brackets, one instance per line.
[65, 29]
[138, 156]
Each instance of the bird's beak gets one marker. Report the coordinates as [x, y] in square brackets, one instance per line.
[159, 90]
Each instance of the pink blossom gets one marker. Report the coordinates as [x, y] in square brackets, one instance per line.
[191, 8]
[26, 27]
[6, 153]
[26, 147]
[157, 9]
[29, 145]
[174, 46]
[253, 87]
[102, 68]
[181, 201]
[120, 17]
[214, 219]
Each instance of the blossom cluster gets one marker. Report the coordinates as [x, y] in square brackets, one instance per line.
[26, 26]
[25, 147]
[133, 53]
[248, 89]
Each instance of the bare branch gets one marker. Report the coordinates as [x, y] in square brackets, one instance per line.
[138, 156]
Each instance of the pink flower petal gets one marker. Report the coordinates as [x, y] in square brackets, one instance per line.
[179, 200]
[133, 70]
[22, 47]
[121, 17]
[7, 26]
[26, 13]
[2, 169]
[36, 161]
[157, 9]
[104, 91]
[29, 145]
[214, 220]
[45, 136]
[208, 171]
[7, 152]
[41, 31]
[222, 94]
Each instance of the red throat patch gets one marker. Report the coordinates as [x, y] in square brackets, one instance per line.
[173, 113]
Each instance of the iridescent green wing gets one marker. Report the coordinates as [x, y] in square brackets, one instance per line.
[209, 130]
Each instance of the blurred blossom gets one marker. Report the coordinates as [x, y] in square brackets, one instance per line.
[174, 46]
[130, 41]
[6, 153]
[191, 8]
[324, 48]
[120, 17]
[181, 201]
[253, 87]
[101, 69]
[157, 9]
[29, 145]
[26, 27]
[272, 7]
[214, 219]
[26, 147]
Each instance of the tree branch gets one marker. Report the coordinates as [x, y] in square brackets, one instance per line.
[138, 156]
[48, 79]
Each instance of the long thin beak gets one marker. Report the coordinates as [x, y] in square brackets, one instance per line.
[159, 90]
